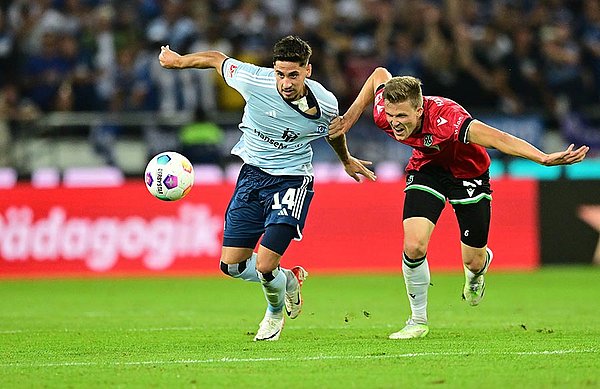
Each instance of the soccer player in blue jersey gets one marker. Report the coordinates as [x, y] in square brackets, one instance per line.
[284, 112]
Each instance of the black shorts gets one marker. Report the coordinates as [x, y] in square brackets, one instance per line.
[428, 189]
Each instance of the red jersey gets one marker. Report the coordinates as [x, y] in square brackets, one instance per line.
[441, 140]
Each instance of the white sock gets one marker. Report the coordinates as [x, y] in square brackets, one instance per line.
[248, 273]
[274, 288]
[417, 278]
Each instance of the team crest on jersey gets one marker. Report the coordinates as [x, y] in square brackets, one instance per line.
[231, 70]
[428, 140]
[289, 135]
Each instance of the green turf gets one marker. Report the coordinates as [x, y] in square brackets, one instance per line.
[532, 330]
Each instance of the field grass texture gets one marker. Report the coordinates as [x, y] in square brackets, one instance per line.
[536, 330]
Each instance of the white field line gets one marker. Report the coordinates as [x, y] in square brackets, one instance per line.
[157, 329]
[292, 359]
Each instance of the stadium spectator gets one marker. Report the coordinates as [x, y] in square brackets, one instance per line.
[201, 140]
[284, 112]
[103, 37]
[44, 72]
[511, 57]
[449, 163]
[403, 58]
[16, 117]
[523, 67]
[591, 41]
[80, 80]
[562, 66]
[8, 51]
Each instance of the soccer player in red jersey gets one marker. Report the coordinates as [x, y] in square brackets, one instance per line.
[449, 162]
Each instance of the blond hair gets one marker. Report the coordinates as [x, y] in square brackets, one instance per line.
[404, 88]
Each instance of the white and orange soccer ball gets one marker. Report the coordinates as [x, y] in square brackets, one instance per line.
[169, 176]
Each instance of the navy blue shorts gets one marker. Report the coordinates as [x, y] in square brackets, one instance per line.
[261, 199]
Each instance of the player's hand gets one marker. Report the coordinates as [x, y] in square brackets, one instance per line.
[355, 166]
[338, 127]
[567, 157]
[168, 58]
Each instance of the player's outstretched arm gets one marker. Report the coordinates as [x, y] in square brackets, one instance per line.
[341, 124]
[352, 166]
[488, 136]
[201, 60]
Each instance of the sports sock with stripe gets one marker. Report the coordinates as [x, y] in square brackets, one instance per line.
[246, 270]
[417, 278]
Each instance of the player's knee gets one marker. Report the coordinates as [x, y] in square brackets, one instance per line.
[233, 270]
[415, 248]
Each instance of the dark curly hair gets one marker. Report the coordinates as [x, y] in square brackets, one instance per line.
[292, 49]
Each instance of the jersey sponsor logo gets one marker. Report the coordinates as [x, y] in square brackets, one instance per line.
[470, 191]
[459, 122]
[232, 68]
[321, 130]
[268, 139]
[474, 183]
[289, 135]
[379, 109]
[441, 121]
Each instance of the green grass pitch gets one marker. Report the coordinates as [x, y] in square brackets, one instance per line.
[533, 330]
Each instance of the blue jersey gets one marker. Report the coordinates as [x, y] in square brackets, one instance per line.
[275, 135]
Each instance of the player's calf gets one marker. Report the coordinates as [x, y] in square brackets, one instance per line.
[474, 288]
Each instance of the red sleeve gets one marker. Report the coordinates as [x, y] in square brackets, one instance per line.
[379, 110]
[452, 121]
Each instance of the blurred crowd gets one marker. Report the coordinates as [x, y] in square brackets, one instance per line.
[510, 56]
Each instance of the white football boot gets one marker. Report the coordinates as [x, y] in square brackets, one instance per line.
[293, 298]
[412, 330]
[269, 328]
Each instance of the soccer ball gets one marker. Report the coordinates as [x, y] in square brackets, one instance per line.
[169, 176]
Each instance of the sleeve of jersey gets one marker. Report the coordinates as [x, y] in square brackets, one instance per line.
[379, 109]
[459, 121]
[240, 75]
